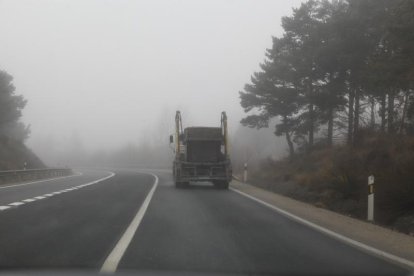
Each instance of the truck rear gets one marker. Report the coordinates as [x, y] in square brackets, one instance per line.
[201, 154]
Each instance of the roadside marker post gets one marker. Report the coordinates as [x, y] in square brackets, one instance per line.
[370, 215]
[245, 173]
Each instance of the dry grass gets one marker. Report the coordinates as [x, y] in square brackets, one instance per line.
[336, 178]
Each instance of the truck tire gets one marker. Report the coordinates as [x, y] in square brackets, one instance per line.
[222, 185]
[181, 185]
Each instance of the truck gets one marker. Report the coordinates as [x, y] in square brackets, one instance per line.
[201, 154]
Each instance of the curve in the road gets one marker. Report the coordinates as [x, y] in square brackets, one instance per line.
[77, 230]
[48, 195]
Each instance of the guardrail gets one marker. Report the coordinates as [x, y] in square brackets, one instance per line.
[32, 174]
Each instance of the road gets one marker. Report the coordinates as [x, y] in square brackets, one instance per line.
[77, 222]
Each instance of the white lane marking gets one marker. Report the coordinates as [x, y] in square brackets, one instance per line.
[29, 200]
[111, 263]
[39, 197]
[18, 203]
[354, 243]
[48, 195]
[39, 181]
[2, 208]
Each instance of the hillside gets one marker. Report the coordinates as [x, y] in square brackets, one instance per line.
[13, 155]
[336, 178]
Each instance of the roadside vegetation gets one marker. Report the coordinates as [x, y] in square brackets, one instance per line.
[14, 155]
[340, 84]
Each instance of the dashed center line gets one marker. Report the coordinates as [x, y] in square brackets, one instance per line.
[29, 200]
[48, 195]
[16, 203]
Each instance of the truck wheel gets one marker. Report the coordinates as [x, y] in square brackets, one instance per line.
[222, 185]
[181, 185]
[225, 185]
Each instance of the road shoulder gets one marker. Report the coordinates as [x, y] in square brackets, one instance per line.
[383, 239]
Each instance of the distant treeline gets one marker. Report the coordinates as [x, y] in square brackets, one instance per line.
[339, 66]
[14, 155]
[11, 106]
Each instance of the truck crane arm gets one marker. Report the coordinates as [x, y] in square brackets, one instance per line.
[224, 132]
[178, 132]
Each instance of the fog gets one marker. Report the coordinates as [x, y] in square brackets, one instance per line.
[105, 75]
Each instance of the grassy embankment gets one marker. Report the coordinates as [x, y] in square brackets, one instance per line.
[336, 178]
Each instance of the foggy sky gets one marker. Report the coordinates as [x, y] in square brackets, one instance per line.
[108, 72]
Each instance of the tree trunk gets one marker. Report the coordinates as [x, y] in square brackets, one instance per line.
[330, 126]
[290, 144]
[383, 112]
[330, 112]
[404, 113]
[356, 114]
[351, 116]
[391, 112]
[311, 124]
[372, 123]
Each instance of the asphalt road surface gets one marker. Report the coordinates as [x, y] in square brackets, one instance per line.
[131, 220]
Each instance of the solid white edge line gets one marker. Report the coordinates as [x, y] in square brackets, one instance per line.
[39, 181]
[377, 252]
[111, 262]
